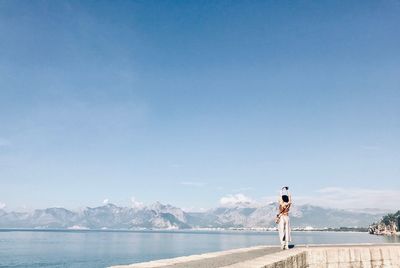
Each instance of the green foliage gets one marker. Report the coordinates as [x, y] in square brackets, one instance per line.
[392, 218]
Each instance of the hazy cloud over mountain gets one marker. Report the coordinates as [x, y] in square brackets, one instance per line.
[352, 198]
[234, 199]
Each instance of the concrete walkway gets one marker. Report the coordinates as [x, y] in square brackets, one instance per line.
[209, 260]
[312, 256]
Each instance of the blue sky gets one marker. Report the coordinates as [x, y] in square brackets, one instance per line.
[186, 102]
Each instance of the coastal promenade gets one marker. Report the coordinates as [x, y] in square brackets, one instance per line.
[301, 256]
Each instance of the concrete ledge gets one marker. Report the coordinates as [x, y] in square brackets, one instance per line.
[303, 256]
[294, 258]
[210, 260]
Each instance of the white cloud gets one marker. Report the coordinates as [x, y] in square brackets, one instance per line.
[235, 199]
[331, 197]
[2, 205]
[351, 198]
[194, 209]
[135, 203]
[106, 201]
[193, 183]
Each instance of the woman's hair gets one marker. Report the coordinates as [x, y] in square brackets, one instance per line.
[285, 198]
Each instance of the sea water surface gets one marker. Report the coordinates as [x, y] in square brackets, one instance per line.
[90, 249]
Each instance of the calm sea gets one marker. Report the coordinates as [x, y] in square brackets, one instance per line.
[101, 249]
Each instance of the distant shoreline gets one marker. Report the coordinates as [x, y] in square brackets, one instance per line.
[232, 230]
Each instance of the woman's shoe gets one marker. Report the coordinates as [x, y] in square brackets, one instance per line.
[283, 247]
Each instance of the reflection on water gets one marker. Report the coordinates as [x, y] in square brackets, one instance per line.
[100, 249]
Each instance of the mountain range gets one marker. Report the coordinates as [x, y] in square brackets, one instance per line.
[160, 216]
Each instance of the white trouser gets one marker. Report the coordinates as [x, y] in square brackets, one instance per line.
[284, 230]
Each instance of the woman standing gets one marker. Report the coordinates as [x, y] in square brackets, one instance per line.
[282, 219]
